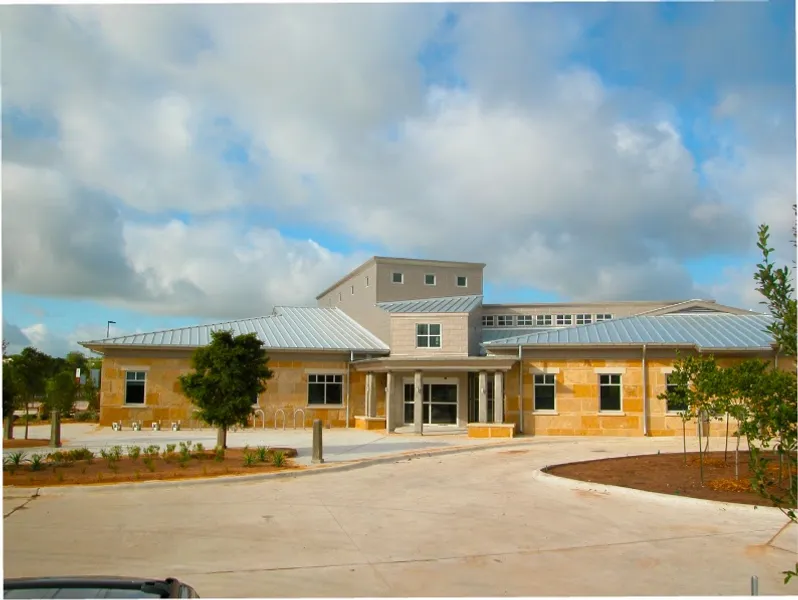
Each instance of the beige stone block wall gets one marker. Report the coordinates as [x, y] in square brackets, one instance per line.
[454, 335]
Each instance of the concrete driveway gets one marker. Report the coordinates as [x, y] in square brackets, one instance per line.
[476, 524]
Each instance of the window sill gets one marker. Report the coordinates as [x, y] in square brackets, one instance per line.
[135, 405]
[548, 413]
[324, 406]
[611, 413]
[674, 413]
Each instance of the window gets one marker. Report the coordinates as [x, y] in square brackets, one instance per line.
[603, 318]
[134, 387]
[487, 320]
[325, 389]
[340, 296]
[543, 320]
[462, 281]
[505, 320]
[352, 290]
[609, 393]
[564, 319]
[584, 319]
[367, 280]
[544, 391]
[428, 335]
[429, 279]
[676, 400]
[525, 320]
[397, 277]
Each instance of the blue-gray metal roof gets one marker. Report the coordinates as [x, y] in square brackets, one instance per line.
[705, 331]
[288, 328]
[490, 334]
[450, 304]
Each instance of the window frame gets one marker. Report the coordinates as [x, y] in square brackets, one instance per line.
[434, 279]
[401, 277]
[545, 383]
[351, 290]
[429, 336]
[601, 317]
[528, 320]
[540, 320]
[564, 319]
[499, 319]
[668, 410]
[136, 380]
[326, 384]
[619, 385]
[367, 280]
[585, 318]
[491, 319]
[457, 279]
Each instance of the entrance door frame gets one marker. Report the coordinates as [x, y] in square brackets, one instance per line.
[434, 381]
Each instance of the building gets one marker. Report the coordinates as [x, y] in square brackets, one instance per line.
[408, 345]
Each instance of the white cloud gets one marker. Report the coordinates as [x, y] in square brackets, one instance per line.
[546, 172]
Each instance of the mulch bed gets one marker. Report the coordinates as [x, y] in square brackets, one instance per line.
[98, 470]
[23, 443]
[668, 474]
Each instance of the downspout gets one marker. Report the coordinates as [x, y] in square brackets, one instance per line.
[348, 375]
[645, 394]
[520, 389]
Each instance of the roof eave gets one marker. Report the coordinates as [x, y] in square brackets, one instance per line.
[100, 347]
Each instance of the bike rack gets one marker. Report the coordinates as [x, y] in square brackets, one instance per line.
[277, 412]
[156, 425]
[299, 410]
[255, 418]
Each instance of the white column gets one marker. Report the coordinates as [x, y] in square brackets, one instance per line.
[390, 413]
[371, 403]
[418, 404]
[498, 397]
[483, 397]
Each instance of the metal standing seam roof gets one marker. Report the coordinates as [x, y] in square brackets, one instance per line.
[449, 304]
[705, 331]
[288, 328]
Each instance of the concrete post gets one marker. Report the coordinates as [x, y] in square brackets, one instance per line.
[498, 397]
[55, 429]
[371, 399]
[483, 397]
[317, 456]
[418, 404]
[390, 412]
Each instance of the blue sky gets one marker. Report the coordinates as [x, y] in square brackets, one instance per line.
[173, 165]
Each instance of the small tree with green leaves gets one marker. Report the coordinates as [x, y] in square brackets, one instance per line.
[12, 398]
[61, 393]
[227, 374]
[32, 369]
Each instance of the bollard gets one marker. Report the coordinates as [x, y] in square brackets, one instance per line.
[754, 585]
[317, 457]
[55, 429]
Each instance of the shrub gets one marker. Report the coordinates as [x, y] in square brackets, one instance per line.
[183, 460]
[218, 454]
[60, 458]
[149, 463]
[185, 446]
[278, 458]
[152, 451]
[59, 477]
[133, 452]
[263, 453]
[36, 462]
[116, 452]
[81, 454]
[198, 447]
[14, 460]
[250, 459]
[85, 416]
[170, 448]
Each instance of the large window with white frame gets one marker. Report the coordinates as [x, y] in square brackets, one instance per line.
[525, 320]
[677, 401]
[504, 320]
[603, 317]
[488, 320]
[584, 319]
[564, 319]
[428, 335]
[430, 279]
[543, 320]
[462, 281]
[135, 382]
[325, 389]
[610, 393]
[397, 277]
[544, 392]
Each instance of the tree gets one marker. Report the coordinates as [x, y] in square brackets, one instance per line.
[32, 369]
[11, 397]
[61, 393]
[777, 288]
[227, 374]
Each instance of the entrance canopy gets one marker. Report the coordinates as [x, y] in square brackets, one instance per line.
[429, 364]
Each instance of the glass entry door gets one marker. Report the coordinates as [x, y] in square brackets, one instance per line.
[440, 403]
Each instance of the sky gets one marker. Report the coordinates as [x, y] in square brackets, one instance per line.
[168, 165]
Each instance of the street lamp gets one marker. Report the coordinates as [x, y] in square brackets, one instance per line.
[108, 329]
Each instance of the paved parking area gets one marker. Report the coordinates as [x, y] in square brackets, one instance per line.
[475, 524]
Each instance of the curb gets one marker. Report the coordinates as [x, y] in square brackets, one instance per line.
[316, 470]
[679, 501]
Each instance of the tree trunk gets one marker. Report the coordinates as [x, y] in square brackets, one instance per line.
[684, 440]
[8, 432]
[27, 409]
[726, 447]
[221, 437]
[737, 458]
[700, 453]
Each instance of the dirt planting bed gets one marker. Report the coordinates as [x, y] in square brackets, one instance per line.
[23, 443]
[668, 474]
[118, 465]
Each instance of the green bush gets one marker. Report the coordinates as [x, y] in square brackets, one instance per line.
[278, 458]
[85, 416]
[218, 454]
[36, 462]
[133, 452]
[250, 459]
[263, 453]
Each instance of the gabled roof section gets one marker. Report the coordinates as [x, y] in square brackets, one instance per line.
[450, 304]
[288, 328]
[714, 331]
[698, 306]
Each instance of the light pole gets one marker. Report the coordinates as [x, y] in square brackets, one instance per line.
[108, 329]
